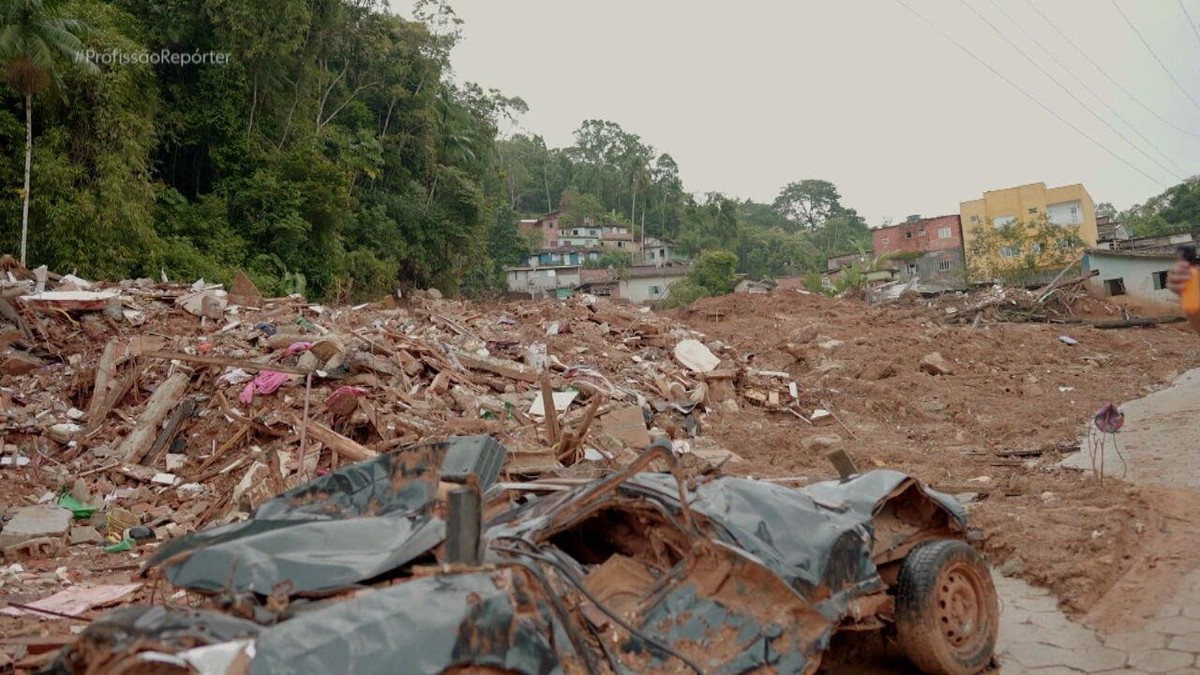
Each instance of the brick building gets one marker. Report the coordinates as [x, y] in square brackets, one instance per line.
[929, 249]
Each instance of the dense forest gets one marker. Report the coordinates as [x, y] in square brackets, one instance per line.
[328, 149]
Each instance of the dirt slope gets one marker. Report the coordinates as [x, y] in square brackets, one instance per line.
[996, 425]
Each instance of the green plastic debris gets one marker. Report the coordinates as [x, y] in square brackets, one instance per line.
[125, 544]
[76, 507]
[306, 324]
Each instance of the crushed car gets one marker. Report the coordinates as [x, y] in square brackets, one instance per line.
[423, 561]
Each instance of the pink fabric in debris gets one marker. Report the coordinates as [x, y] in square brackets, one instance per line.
[266, 383]
[297, 347]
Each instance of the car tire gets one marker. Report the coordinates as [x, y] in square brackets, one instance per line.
[947, 612]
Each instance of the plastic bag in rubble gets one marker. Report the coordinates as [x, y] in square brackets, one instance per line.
[235, 376]
[536, 357]
[297, 347]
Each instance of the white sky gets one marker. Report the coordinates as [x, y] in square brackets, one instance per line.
[749, 96]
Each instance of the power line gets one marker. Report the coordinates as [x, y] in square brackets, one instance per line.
[1070, 93]
[1029, 96]
[1191, 23]
[1067, 38]
[1152, 53]
[1087, 88]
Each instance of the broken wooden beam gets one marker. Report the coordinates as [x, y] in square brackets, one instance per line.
[338, 443]
[161, 402]
[1137, 323]
[228, 363]
[170, 431]
[551, 412]
[502, 367]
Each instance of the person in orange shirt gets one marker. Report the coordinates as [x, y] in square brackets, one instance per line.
[1176, 279]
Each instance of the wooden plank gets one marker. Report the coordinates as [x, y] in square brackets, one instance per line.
[169, 432]
[338, 443]
[165, 398]
[502, 367]
[551, 413]
[1137, 323]
[228, 363]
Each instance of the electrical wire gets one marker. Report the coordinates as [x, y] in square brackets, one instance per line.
[1086, 87]
[1067, 38]
[1155, 55]
[1195, 31]
[1029, 96]
[1066, 89]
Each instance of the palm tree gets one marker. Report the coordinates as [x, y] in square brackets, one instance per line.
[34, 39]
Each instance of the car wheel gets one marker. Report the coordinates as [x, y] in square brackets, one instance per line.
[947, 612]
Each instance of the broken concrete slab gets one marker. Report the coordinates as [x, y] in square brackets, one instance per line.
[35, 522]
[697, 357]
[935, 364]
[84, 535]
[71, 300]
[820, 443]
[626, 425]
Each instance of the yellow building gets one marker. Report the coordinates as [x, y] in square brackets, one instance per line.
[1031, 205]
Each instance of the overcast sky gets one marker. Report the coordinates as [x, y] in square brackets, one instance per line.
[749, 96]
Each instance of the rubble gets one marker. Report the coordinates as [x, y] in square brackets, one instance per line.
[162, 400]
[375, 542]
[35, 522]
[936, 364]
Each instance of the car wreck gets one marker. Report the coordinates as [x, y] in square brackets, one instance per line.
[422, 561]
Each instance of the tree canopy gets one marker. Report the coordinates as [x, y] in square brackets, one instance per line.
[332, 150]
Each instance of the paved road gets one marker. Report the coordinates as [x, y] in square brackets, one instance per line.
[1161, 442]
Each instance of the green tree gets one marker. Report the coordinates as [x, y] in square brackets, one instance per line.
[1175, 210]
[1020, 252]
[35, 39]
[808, 203]
[713, 273]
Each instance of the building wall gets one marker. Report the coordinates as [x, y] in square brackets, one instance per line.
[1142, 277]
[648, 289]
[1025, 203]
[527, 280]
[928, 234]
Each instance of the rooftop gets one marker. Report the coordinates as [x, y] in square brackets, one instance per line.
[647, 271]
[1156, 252]
[935, 220]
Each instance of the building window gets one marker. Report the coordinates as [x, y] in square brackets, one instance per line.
[1160, 280]
[602, 291]
[908, 235]
[944, 233]
[1036, 248]
[1114, 287]
[883, 241]
[655, 290]
[912, 269]
[1004, 221]
[920, 233]
[1010, 251]
[974, 219]
[944, 265]
[1033, 209]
